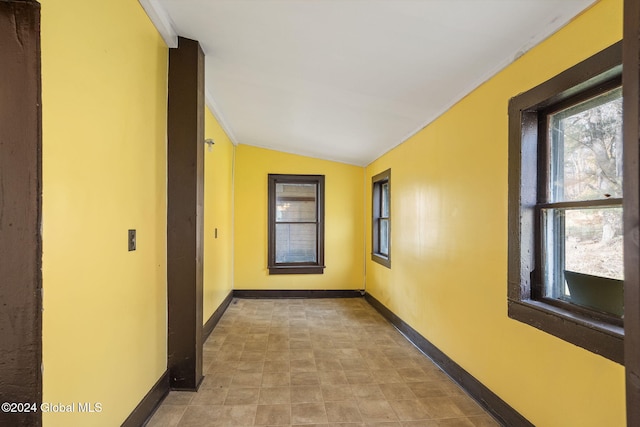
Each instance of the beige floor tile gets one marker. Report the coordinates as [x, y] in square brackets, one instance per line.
[276, 366]
[327, 365]
[269, 415]
[359, 377]
[376, 410]
[428, 389]
[167, 416]
[178, 398]
[343, 412]
[276, 379]
[307, 413]
[214, 396]
[397, 391]
[244, 379]
[408, 410]
[216, 380]
[454, 422]
[274, 395]
[236, 416]
[304, 378]
[337, 392]
[367, 392]
[484, 421]
[386, 376]
[306, 394]
[303, 365]
[201, 416]
[332, 378]
[242, 396]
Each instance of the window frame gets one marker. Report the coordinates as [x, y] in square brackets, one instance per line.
[528, 164]
[377, 182]
[316, 267]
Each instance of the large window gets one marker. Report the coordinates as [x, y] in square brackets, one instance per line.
[296, 224]
[581, 211]
[565, 205]
[381, 221]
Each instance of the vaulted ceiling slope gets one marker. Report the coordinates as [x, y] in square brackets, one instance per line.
[348, 80]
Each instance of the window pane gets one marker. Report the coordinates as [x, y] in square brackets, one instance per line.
[384, 236]
[583, 257]
[295, 243]
[384, 200]
[296, 202]
[586, 150]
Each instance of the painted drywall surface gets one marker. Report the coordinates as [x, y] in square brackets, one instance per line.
[104, 80]
[449, 245]
[218, 189]
[344, 216]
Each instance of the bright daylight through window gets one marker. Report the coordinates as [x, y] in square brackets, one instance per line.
[581, 220]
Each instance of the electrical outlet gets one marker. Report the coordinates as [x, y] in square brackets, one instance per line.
[132, 240]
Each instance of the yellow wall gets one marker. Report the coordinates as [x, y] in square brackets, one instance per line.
[449, 245]
[104, 79]
[218, 188]
[344, 228]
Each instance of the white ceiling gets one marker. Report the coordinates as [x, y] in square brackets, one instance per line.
[348, 80]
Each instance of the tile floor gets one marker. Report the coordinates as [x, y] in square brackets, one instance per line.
[316, 362]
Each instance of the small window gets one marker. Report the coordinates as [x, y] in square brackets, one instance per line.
[565, 205]
[381, 236]
[296, 224]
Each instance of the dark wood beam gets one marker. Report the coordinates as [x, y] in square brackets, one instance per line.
[20, 213]
[185, 213]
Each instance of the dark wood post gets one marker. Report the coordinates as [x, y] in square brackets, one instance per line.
[185, 213]
[20, 212]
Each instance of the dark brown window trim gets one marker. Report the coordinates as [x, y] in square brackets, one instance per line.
[296, 268]
[376, 182]
[631, 213]
[525, 304]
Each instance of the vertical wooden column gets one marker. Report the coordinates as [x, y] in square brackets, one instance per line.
[20, 211]
[185, 213]
[631, 99]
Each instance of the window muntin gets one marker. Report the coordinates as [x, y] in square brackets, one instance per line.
[381, 221]
[296, 229]
[581, 214]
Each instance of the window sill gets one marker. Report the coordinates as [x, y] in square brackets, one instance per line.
[598, 337]
[297, 269]
[381, 259]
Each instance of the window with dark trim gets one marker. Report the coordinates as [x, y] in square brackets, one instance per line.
[381, 221]
[565, 205]
[296, 224]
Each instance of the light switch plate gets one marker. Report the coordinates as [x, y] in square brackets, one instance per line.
[132, 240]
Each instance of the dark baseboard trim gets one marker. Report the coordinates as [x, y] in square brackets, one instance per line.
[491, 402]
[276, 294]
[215, 317]
[149, 403]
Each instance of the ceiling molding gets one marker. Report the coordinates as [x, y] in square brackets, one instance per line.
[215, 110]
[161, 21]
